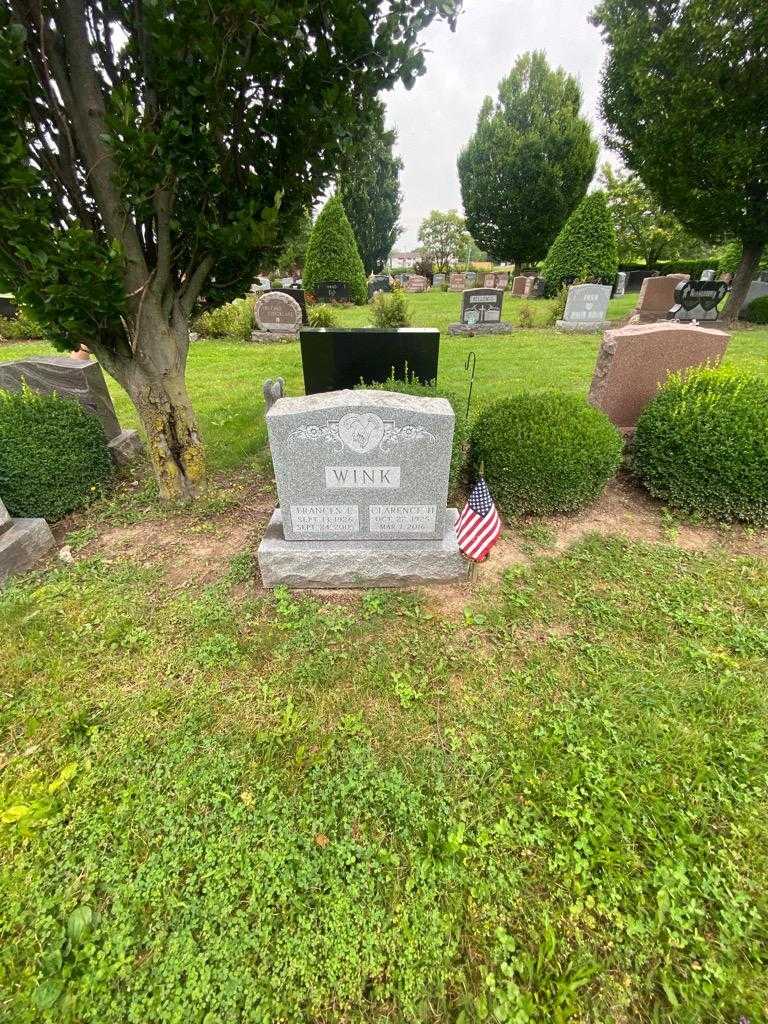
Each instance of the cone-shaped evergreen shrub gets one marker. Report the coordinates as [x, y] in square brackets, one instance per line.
[702, 445]
[332, 253]
[586, 247]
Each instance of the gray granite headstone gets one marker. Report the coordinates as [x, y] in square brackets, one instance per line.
[757, 290]
[621, 284]
[438, 280]
[708, 275]
[470, 278]
[22, 542]
[585, 309]
[362, 482]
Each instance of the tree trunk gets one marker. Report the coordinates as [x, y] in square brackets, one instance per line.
[750, 258]
[154, 379]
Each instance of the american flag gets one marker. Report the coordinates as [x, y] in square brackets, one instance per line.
[479, 525]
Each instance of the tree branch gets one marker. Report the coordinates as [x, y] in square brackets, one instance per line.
[191, 290]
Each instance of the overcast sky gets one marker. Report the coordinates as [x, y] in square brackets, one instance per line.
[438, 115]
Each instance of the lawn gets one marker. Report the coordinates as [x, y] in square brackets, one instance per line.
[537, 798]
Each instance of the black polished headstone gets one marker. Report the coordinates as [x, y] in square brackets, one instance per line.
[636, 278]
[698, 300]
[379, 283]
[334, 358]
[8, 307]
[332, 291]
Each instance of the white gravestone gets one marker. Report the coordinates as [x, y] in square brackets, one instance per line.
[362, 484]
[585, 309]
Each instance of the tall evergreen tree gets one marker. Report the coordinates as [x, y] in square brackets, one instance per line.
[332, 252]
[529, 162]
[369, 186]
[585, 248]
[685, 95]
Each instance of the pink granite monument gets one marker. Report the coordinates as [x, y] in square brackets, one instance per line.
[635, 360]
[456, 283]
[519, 285]
[656, 298]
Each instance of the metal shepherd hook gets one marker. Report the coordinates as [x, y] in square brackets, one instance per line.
[473, 358]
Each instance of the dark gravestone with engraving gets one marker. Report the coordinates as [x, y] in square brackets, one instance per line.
[332, 291]
[636, 278]
[481, 313]
[698, 300]
[379, 283]
[78, 379]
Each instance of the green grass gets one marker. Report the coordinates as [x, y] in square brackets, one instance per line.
[225, 809]
[225, 377]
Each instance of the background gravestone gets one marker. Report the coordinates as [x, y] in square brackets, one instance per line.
[379, 283]
[456, 282]
[438, 280]
[481, 313]
[635, 360]
[332, 291]
[763, 276]
[621, 284]
[519, 285]
[756, 291]
[470, 279]
[362, 482]
[708, 275]
[698, 300]
[502, 279]
[277, 315]
[417, 283]
[585, 309]
[22, 542]
[8, 307]
[536, 288]
[78, 379]
[636, 278]
[657, 296]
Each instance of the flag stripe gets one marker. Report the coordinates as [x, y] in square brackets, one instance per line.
[478, 527]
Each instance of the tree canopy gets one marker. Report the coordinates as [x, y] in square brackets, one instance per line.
[585, 248]
[643, 230]
[369, 186]
[153, 155]
[444, 239]
[529, 162]
[685, 94]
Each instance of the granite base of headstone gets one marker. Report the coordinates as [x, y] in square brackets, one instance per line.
[636, 359]
[277, 317]
[585, 309]
[362, 484]
[22, 543]
[481, 313]
[81, 380]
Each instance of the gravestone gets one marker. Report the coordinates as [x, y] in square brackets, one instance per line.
[481, 313]
[536, 288]
[763, 276]
[297, 294]
[635, 360]
[621, 284]
[438, 280]
[81, 380]
[502, 279]
[8, 307]
[470, 279]
[362, 484]
[276, 315]
[519, 285]
[417, 283]
[332, 291]
[379, 283]
[22, 542]
[456, 283]
[585, 309]
[708, 275]
[757, 290]
[698, 300]
[657, 296]
[636, 278]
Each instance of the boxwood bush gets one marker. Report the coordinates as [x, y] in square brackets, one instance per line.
[391, 309]
[702, 445]
[232, 320]
[547, 452]
[412, 386]
[53, 455]
[322, 315]
[756, 312]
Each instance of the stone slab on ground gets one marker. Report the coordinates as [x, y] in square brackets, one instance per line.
[274, 337]
[589, 327]
[635, 360]
[501, 327]
[373, 563]
[22, 543]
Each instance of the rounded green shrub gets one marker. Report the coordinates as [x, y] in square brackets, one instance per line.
[585, 248]
[757, 311]
[332, 253]
[702, 445]
[391, 309]
[547, 452]
[53, 455]
[322, 315]
[232, 320]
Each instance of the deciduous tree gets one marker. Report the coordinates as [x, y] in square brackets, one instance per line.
[529, 162]
[444, 239]
[685, 94]
[154, 154]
